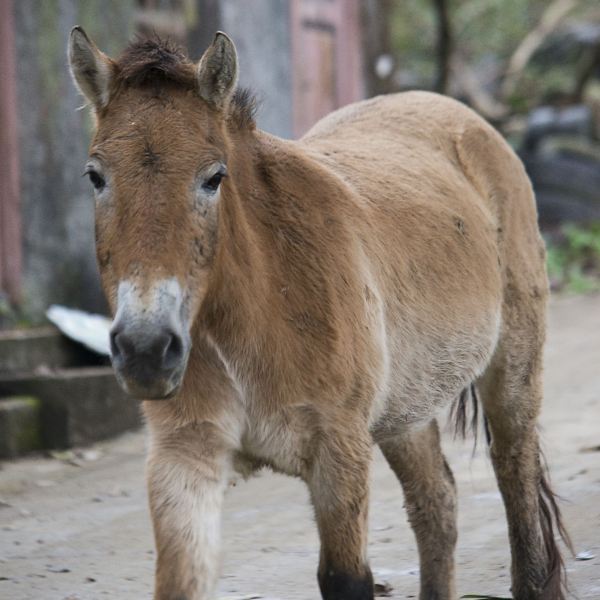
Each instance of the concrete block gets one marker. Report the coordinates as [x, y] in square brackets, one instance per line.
[77, 406]
[41, 348]
[20, 430]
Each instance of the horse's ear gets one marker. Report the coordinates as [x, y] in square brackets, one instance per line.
[217, 71]
[91, 69]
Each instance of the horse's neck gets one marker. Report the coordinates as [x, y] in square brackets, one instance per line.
[272, 268]
[237, 309]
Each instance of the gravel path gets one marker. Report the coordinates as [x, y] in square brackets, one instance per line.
[76, 526]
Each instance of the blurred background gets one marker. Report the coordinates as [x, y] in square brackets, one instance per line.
[531, 67]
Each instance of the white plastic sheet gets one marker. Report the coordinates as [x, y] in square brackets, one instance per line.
[88, 329]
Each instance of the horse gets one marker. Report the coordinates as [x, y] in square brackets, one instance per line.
[292, 304]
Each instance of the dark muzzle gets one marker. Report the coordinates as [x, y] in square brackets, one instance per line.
[149, 359]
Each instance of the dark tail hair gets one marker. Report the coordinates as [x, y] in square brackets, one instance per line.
[458, 414]
[551, 521]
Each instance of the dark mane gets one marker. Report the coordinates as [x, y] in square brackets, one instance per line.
[154, 61]
[243, 108]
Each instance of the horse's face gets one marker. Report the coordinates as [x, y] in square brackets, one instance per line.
[158, 165]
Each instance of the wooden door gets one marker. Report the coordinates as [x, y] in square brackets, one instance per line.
[326, 51]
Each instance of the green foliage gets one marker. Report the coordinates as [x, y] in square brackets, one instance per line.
[413, 38]
[486, 33]
[573, 258]
[493, 27]
[482, 29]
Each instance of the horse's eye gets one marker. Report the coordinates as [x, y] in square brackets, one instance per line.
[96, 179]
[212, 184]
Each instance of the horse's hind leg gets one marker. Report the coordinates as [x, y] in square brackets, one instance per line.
[430, 495]
[511, 391]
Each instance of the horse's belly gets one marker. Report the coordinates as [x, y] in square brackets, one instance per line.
[428, 371]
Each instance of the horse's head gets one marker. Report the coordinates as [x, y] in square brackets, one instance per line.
[158, 165]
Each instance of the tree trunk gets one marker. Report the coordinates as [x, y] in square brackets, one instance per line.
[379, 64]
[444, 46]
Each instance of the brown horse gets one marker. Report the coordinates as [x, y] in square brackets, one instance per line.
[291, 303]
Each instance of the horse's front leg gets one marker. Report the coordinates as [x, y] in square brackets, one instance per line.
[187, 472]
[339, 486]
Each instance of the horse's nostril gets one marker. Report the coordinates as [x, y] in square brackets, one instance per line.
[173, 351]
[121, 346]
[115, 350]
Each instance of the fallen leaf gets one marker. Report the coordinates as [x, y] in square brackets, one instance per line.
[383, 590]
[57, 569]
[480, 597]
[67, 457]
[88, 455]
[250, 597]
[591, 449]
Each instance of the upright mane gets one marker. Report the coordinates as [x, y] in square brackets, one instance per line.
[156, 61]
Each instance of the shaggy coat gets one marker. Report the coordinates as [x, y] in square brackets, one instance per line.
[295, 302]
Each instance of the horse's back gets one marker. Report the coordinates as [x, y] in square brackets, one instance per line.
[422, 144]
[427, 164]
[450, 225]
[427, 214]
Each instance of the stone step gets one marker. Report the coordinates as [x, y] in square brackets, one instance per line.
[20, 426]
[76, 406]
[42, 348]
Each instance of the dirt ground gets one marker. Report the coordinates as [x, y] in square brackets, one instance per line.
[76, 526]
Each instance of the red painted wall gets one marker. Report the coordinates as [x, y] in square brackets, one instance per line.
[10, 220]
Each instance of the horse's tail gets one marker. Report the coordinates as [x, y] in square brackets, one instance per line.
[551, 521]
[459, 414]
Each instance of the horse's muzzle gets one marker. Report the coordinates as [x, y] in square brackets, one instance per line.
[149, 361]
[149, 339]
